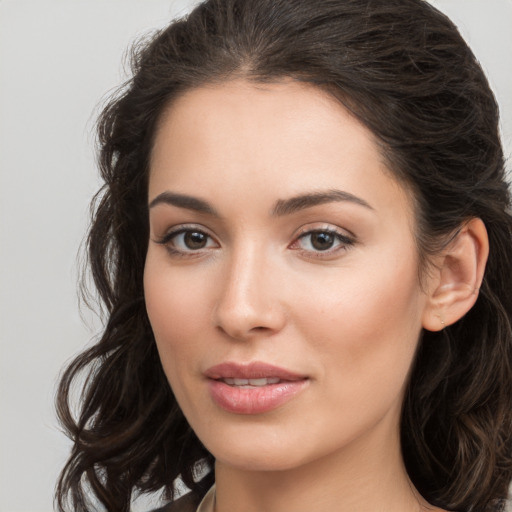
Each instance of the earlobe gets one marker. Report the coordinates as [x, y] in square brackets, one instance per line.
[454, 286]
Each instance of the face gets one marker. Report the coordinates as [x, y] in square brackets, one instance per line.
[281, 278]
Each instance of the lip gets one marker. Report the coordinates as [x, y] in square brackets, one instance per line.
[254, 370]
[257, 399]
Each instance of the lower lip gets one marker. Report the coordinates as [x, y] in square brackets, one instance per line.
[255, 400]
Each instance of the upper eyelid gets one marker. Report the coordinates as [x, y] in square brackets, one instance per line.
[308, 228]
[341, 236]
[180, 228]
[167, 238]
[301, 232]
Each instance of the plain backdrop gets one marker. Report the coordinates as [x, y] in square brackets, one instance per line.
[58, 61]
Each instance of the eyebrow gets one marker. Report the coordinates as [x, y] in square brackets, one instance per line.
[282, 206]
[301, 202]
[184, 201]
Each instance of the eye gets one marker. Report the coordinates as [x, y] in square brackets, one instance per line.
[192, 240]
[318, 240]
[322, 241]
[187, 240]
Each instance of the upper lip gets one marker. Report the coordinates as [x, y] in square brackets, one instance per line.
[254, 370]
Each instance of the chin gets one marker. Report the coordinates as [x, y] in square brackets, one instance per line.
[264, 450]
[255, 460]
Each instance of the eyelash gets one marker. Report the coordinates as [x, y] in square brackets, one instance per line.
[167, 239]
[344, 242]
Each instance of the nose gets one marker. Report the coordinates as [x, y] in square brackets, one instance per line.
[249, 301]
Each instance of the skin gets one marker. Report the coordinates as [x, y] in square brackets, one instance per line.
[348, 318]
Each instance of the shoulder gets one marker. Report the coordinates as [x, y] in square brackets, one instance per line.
[187, 503]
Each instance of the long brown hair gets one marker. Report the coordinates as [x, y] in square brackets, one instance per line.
[405, 72]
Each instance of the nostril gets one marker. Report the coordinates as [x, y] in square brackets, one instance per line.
[239, 333]
[241, 315]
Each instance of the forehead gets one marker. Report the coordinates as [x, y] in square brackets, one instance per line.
[278, 139]
[273, 116]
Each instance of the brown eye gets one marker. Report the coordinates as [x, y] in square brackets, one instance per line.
[188, 241]
[195, 239]
[318, 241]
[322, 240]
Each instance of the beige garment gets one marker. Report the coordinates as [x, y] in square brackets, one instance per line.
[208, 502]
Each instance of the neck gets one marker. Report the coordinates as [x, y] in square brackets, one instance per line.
[354, 479]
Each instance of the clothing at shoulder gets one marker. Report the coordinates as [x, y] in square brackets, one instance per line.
[187, 503]
[190, 503]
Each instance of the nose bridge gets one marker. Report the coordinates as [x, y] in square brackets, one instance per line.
[248, 300]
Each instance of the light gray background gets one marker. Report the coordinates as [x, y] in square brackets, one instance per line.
[58, 58]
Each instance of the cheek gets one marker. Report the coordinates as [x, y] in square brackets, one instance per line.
[177, 308]
[367, 325]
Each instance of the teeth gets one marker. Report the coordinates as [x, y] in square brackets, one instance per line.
[251, 382]
[268, 380]
[258, 382]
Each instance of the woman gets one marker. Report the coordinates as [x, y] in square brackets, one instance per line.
[305, 231]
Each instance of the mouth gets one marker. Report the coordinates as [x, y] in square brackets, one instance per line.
[251, 383]
[251, 374]
[253, 388]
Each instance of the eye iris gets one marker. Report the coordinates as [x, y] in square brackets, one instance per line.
[195, 240]
[322, 241]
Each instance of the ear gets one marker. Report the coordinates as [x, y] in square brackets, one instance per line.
[455, 281]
